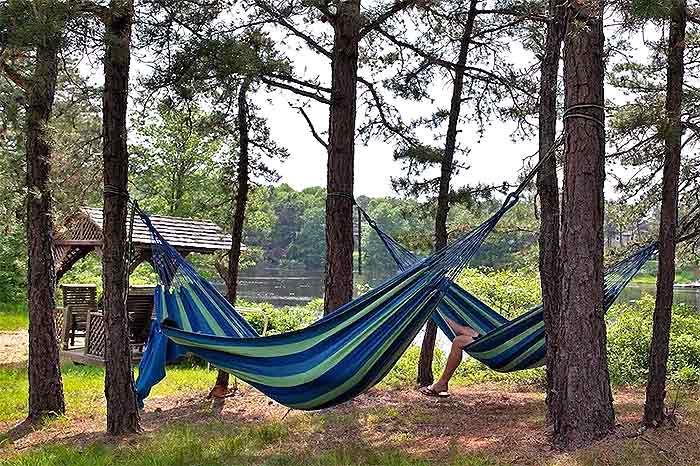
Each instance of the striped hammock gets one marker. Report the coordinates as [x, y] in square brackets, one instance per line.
[506, 345]
[352, 349]
[327, 363]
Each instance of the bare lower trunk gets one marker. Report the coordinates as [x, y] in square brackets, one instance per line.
[583, 409]
[45, 386]
[548, 191]
[425, 362]
[654, 409]
[122, 410]
[341, 157]
[234, 257]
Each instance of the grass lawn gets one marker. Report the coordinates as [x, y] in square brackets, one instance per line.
[13, 317]
[84, 389]
[480, 425]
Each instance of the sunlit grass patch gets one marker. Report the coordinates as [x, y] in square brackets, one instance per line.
[13, 317]
[83, 387]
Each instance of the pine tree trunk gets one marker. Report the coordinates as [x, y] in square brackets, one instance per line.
[234, 257]
[122, 410]
[654, 409]
[45, 385]
[548, 190]
[341, 157]
[425, 362]
[583, 408]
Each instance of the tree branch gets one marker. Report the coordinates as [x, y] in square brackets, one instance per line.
[291, 79]
[512, 12]
[398, 131]
[432, 59]
[295, 90]
[92, 8]
[311, 126]
[14, 76]
[398, 6]
[302, 35]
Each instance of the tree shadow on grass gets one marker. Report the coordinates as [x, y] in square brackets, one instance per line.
[17, 432]
[494, 425]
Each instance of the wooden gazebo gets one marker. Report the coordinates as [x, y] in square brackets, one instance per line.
[81, 234]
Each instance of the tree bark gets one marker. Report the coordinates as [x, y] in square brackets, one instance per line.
[45, 385]
[341, 156]
[122, 410]
[654, 409]
[425, 362]
[548, 191]
[234, 257]
[583, 411]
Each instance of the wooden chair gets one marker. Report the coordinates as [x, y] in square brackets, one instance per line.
[78, 302]
[139, 305]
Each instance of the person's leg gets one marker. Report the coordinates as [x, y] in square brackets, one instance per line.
[453, 361]
[461, 329]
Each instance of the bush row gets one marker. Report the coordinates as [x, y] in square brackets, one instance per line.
[512, 293]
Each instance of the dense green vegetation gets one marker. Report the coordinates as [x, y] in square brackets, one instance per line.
[285, 227]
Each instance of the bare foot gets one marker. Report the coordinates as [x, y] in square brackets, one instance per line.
[439, 388]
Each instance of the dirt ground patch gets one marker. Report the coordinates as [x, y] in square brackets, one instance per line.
[13, 348]
[503, 422]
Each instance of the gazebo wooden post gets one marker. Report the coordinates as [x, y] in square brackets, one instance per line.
[142, 255]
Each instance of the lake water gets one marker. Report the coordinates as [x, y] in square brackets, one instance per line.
[297, 286]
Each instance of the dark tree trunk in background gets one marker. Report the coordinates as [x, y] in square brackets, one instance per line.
[341, 156]
[234, 257]
[122, 410]
[425, 362]
[45, 386]
[548, 190]
[654, 409]
[583, 409]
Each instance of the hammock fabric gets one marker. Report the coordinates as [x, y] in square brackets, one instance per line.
[329, 362]
[506, 345]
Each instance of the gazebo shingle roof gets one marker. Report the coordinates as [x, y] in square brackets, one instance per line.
[183, 233]
[81, 234]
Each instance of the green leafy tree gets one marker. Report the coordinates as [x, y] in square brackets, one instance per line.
[178, 163]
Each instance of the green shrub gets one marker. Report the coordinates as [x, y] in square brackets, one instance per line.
[629, 337]
[13, 317]
[509, 292]
[13, 266]
[472, 371]
[280, 320]
[405, 372]
[86, 271]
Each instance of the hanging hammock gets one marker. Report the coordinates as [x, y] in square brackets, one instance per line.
[506, 345]
[329, 362]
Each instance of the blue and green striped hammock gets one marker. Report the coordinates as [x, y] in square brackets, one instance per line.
[352, 349]
[506, 345]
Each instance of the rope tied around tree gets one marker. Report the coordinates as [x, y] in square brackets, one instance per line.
[344, 195]
[351, 198]
[570, 113]
[111, 190]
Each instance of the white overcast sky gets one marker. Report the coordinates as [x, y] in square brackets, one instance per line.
[495, 159]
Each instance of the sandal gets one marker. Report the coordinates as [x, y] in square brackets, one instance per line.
[429, 391]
